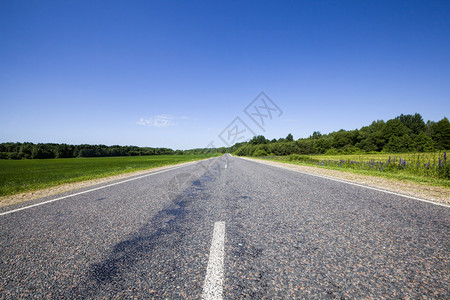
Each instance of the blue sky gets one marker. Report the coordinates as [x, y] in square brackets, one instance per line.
[177, 73]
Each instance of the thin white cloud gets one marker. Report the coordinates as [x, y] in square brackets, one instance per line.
[290, 120]
[158, 121]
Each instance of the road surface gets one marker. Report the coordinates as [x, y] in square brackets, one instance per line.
[225, 227]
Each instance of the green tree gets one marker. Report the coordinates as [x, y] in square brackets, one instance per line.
[441, 134]
[321, 145]
[259, 139]
[64, 151]
[394, 127]
[305, 146]
[342, 138]
[399, 144]
[423, 143]
[42, 151]
[26, 150]
[316, 135]
[414, 122]
[260, 152]
[86, 152]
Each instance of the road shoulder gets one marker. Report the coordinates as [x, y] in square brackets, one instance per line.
[62, 188]
[432, 193]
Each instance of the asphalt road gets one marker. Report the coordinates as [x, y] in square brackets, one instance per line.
[261, 232]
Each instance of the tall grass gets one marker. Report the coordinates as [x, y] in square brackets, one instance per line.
[431, 165]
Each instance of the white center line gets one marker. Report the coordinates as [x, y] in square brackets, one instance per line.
[213, 287]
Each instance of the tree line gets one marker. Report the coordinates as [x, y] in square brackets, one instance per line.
[405, 133]
[52, 150]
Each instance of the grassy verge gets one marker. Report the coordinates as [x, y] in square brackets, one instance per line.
[17, 176]
[429, 168]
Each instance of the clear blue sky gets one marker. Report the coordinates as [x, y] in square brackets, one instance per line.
[176, 73]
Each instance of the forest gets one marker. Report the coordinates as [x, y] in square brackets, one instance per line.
[405, 133]
[52, 150]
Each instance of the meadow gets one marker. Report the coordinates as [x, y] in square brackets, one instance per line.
[24, 175]
[429, 168]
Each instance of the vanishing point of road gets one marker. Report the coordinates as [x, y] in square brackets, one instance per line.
[225, 228]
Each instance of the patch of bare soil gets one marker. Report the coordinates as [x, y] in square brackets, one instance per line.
[13, 199]
[418, 190]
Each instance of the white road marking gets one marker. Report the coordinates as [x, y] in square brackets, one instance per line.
[98, 188]
[352, 183]
[213, 287]
[226, 166]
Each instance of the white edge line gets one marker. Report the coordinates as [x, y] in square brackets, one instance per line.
[99, 188]
[213, 286]
[352, 183]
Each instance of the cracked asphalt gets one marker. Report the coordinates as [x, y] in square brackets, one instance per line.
[288, 235]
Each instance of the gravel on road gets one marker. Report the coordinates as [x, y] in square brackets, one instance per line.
[287, 235]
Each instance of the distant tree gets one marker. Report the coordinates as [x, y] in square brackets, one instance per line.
[305, 146]
[316, 135]
[13, 155]
[86, 152]
[236, 146]
[259, 139]
[133, 153]
[321, 145]
[423, 143]
[414, 122]
[289, 138]
[64, 151]
[430, 128]
[26, 150]
[399, 144]
[342, 138]
[260, 152]
[394, 127]
[441, 134]
[42, 151]
[116, 151]
[374, 141]
[241, 151]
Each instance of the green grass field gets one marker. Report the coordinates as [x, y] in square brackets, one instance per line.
[428, 168]
[18, 176]
[432, 157]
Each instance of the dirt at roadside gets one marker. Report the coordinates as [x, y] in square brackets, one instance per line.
[423, 191]
[432, 193]
[13, 199]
